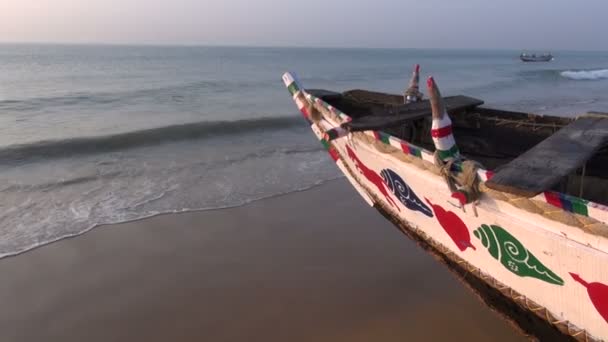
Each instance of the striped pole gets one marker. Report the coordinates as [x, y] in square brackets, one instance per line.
[441, 132]
[441, 128]
[412, 93]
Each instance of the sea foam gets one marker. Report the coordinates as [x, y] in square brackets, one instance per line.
[585, 74]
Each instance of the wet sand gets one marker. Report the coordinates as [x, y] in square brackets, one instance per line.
[318, 265]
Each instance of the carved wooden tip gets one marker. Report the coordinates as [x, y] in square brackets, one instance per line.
[417, 68]
[430, 83]
[437, 107]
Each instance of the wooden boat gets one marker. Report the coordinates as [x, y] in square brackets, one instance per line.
[513, 203]
[536, 58]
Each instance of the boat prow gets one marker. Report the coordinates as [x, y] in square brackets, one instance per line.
[530, 226]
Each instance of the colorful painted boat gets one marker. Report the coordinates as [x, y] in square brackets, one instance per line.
[527, 231]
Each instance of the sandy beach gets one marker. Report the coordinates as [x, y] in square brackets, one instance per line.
[317, 265]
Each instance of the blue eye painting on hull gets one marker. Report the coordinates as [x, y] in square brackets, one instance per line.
[404, 193]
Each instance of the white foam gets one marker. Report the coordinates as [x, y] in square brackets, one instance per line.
[585, 75]
[148, 181]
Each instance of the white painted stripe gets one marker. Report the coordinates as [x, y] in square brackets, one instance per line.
[288, 79]
[440, 123]
[395, 142]
[428, 156]
[444, 143]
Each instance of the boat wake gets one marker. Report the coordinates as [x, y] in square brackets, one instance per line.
[585, 74]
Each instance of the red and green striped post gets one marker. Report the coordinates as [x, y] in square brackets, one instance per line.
[441, 127]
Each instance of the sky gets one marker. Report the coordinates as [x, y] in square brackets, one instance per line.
[486, 24]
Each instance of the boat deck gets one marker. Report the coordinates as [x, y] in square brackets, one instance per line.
[396, 115]
[531, 153]
[545, 165]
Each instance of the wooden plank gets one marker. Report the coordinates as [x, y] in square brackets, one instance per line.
[395, 115]
[545, 165]
[373, 122]
[323, 94]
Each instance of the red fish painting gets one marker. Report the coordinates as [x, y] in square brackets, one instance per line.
[371, 176]
[598, 293]
[453, 225]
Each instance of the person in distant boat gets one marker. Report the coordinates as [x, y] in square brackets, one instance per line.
[412, 93]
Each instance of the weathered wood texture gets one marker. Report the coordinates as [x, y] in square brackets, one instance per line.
[545, 165]
[323, 93]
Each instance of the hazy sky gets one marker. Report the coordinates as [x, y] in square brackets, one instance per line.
[518, 24]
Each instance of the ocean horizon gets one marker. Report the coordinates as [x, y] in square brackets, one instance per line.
[278, 46]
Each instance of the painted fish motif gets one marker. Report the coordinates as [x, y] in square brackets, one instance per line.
[598, 293]
[505, 248]
[453, 226]
[404, 193]
[371, 176]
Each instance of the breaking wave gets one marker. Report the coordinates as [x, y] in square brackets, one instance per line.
[139, 138]
[585, 74]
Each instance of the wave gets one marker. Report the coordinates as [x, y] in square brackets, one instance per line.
[211, 165]
[143, 216]
[173, 93]
[47, 186]
[585, 74]
[140, 138]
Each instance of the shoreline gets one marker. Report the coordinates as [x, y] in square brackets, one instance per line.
[313, 265]
[176, 212]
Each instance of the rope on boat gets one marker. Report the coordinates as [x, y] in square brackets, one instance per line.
[464, 185]
[476, 188]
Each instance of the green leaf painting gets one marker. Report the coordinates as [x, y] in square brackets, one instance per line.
[505, 248]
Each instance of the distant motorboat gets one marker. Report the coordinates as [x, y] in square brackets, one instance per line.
[546, 57]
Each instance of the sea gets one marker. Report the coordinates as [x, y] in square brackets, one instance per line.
[93, 135]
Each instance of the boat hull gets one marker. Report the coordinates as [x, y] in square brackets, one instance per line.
[536, 59]
[525, 258]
